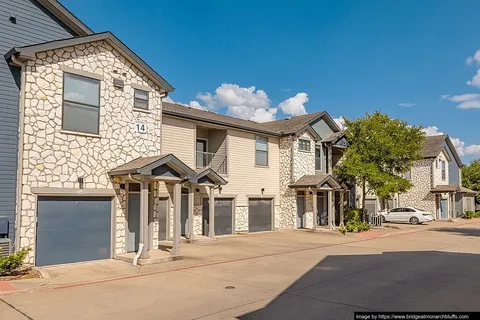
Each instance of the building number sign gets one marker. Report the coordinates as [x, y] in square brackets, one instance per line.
[141, 127]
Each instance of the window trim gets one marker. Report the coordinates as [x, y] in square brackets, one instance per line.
[80, 103]
[146, 100]
[305, 141]
[268, 158]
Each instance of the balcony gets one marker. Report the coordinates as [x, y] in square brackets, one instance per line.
[211, 149]
[212, 160]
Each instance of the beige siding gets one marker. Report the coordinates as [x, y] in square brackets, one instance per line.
[178, 137]
[244, 178]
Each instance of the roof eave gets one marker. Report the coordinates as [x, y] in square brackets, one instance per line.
[67, 17]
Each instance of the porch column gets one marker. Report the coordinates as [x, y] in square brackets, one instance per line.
[315, 210]
[330, 161]
[211, 214]
[144, 234]
[177, 207]
[191, 199]
[341, 208]
[330, 207]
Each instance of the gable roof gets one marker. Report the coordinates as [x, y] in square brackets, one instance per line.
[315, 181]
[65, 16]
[433, 146]
[145, 165]
[28, 52]
[282, 127]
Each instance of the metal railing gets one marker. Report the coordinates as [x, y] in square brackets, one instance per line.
[375, 219]
[211, 160]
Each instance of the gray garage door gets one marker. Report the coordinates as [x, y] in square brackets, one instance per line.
[259, 215]
[73, 229]
[223, 216]
[371, 205]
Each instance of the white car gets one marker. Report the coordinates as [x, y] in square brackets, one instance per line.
[407, 214]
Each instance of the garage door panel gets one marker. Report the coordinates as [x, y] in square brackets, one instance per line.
[259, 215]
[223, 216]
[73, 229]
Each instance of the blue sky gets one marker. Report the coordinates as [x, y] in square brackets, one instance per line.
[346, 57]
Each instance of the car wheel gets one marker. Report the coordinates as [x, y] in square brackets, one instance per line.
[414, 220]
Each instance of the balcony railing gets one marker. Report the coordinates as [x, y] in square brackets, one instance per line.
[212, 160]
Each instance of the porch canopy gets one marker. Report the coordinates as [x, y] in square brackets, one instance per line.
[452, 188]
[322, 182]
[157, 168]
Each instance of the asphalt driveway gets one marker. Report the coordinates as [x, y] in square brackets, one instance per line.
[278, 275]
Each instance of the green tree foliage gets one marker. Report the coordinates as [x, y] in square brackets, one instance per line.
[381, 150]
[471, 177]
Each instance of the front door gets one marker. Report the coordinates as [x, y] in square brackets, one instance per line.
[300, 211]
[322, 208]
[443, 208]
[184, 213]
[133, 215]
[162, 219]
[201, 153]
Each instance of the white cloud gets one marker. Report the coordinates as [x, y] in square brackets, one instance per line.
[475, 82]
[465, 101]
[406, 104]
[192, 104]
[168, 99]
[432, 131]
[475, 57]
[294, 105]
[340, 121]
[249, 103]
[459, 145]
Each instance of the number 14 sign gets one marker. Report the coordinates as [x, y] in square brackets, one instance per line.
[141, 127]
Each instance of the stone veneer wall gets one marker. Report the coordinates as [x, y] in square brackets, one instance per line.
[53, 158]
[419, 195]
[303, 164]
[241, 218]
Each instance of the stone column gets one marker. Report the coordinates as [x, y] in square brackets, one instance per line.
[341, 208]
[177, 207]
[211, 213]
[191, 200]
[330, 161]
[315, 210]
[144, 234]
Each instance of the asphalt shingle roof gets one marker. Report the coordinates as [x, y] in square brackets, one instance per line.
[452, 188]
[433, 145]
[277, 127]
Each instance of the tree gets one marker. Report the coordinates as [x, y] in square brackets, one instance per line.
[471, 177]
[380, 151]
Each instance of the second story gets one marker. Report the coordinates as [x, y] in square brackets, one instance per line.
[306, 144]
[440, 165]
[90, 104]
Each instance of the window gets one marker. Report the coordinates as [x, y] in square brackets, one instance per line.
[304, 145]
[81, 104]
[261, 151]
[140, 99]
[444, 173]
[318, 159]
[436, 164]
[408, 175]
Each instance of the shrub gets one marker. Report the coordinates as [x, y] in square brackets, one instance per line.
[13, 262]
[352, 214]
[342, 230]
[477, 214]
[469, 214]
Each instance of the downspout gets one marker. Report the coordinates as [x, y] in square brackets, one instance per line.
[21, 117]
[162, 96]
[292, 160]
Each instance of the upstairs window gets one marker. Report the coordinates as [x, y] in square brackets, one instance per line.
[444, 172]
[408, 175]
[81, 104]
[261, 151]
[141, 99]
[304, 145]
[318, 159]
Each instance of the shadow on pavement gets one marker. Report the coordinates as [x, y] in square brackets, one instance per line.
[470, 232]
[339, 285]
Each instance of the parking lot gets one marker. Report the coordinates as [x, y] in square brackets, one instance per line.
[273, 275]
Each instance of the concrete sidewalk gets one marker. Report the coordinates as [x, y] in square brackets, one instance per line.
[225, 250]
[276, 275]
